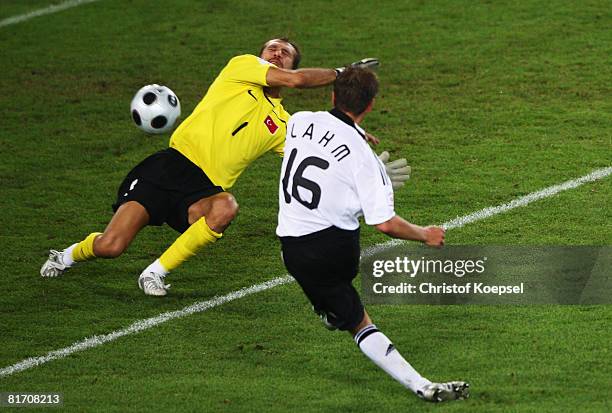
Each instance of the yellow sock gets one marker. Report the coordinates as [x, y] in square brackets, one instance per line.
[197, 236]
[83, 251]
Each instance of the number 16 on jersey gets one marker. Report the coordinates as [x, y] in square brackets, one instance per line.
[300, 182]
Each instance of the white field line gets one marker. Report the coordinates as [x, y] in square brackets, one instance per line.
[41, 12]
[499, 209]
[202, 306]
[527, 199]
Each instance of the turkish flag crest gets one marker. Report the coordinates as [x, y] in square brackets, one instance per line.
[272, 127]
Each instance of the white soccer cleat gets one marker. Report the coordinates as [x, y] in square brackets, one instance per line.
[54, 266]
[441, 392]
[152, 283]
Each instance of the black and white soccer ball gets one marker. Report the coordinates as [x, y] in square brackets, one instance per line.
[155, 109]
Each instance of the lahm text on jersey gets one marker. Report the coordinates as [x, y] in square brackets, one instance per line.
[339, 152]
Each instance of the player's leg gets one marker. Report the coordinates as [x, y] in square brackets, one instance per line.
[129, 219]
[207, 219]
[220, 210]
[378, 348]
[325, 267]
[127, 222]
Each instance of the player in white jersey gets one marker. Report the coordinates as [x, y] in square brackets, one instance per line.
[330, 177]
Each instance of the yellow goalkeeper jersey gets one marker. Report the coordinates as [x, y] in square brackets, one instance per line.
[234, 124]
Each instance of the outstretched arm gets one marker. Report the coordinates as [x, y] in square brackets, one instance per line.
[398, 227]
[304, 78]
[300, 78]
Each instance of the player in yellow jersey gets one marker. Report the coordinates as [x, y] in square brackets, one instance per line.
[235, 123]
[186, 186]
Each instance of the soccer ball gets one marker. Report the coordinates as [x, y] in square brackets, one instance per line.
[155, 109]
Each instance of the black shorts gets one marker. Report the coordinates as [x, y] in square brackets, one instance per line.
[325, 263]
[166, 184]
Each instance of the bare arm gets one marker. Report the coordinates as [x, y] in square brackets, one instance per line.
[398, 227]
[300, 78]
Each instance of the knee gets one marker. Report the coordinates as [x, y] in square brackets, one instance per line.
[109, 246]
[224, 210]
[219, 211]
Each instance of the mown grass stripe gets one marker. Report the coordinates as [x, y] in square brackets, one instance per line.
[202, 306]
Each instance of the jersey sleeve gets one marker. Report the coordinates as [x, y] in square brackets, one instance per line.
[247, 69]
[374, 190]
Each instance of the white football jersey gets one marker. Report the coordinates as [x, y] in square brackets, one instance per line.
[330, 176]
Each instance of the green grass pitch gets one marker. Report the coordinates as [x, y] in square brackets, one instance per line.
[488, 101]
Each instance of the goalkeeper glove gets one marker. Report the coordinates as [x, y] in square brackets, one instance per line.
[367, 63]
[398, 170]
